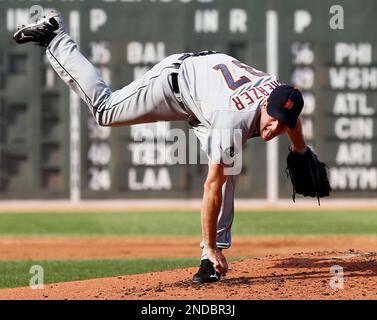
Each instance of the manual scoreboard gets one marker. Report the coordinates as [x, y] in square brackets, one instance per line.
[328, 51]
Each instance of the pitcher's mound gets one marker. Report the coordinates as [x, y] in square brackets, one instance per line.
[320, 275]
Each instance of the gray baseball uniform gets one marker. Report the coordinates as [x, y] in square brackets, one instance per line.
[215, 92]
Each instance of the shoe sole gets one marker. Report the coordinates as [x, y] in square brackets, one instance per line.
[201, 281]
[31, 26]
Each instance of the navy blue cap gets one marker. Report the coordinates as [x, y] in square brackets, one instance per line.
[285, 104]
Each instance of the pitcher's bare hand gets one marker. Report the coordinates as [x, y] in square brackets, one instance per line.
[218, 259]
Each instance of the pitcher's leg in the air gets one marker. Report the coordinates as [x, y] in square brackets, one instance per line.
[148, 99]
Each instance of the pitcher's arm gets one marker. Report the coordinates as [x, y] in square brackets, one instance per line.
[297, 138]
[212, 199]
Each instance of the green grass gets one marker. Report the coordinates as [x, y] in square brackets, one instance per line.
[181, 224]
[152, 224]
[16, 273]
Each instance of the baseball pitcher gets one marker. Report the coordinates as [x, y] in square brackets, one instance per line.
[215, 94]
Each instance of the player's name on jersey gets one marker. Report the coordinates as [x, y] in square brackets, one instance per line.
[253, 94]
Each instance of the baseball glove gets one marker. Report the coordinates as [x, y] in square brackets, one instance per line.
[308, 175]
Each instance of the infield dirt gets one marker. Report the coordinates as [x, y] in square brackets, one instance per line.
[284, 275]
[295, 276]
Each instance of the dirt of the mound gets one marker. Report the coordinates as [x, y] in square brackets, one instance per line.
[296, 276]
[135, 248]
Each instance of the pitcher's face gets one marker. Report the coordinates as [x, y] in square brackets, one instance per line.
[269, 126]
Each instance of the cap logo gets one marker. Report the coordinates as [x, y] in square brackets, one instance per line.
[289, 104]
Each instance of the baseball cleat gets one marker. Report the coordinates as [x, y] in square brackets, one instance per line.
[42, 31]
[206, 273]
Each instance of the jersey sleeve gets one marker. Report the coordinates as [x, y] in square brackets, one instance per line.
[226, 136]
